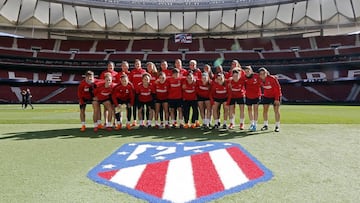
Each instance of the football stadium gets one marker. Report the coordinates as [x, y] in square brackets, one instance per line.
[179, 101]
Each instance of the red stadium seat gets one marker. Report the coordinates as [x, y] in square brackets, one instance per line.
[15, 53]
[288, 43]
[242, 56]
[81, 45]
[6, 42]
[90, 56]
[279, 55]
[317, 53]
[211, 44]
[194, 46]
[117, 45]
[206, 56]
[163, 56]
[349, 51]
[53, 55]
[126, 56]
[328, 41]
[148, 44]
[251, 44]
[47, 44]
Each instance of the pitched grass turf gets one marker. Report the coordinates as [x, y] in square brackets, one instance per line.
[44, 157]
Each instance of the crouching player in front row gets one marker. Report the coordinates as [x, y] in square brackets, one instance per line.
[85, 95]
[102, 95]
[272, 95]
[123, 94]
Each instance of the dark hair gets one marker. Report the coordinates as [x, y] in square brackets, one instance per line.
[89, 73]
[263, 69]
[175, 70]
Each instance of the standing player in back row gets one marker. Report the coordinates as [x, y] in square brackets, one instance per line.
[135, 78]
[272, 95]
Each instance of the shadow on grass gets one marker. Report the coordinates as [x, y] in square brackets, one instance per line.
[165, 134]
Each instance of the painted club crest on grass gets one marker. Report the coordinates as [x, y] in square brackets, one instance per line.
[180, 171]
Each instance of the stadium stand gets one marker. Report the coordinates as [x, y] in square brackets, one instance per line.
[194, 46]
[211, 44]
[317, 53]
[90, 56]
[126, 56]
[16, 53]
[334, 41]
[53, 55]
[81, 45]
[117, 45]
[242, 56]
[148, 44]
[279, 55]
[206, 56]
[25, 43]
[6, 42]
[256, 43]
[349, 50]
[289, 43]
[163, 56]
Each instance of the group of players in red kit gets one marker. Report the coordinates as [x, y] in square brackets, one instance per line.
[148, 95]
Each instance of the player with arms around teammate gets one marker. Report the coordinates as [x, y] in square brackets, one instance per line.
[136, 78]
[144, 93]
[253, 94]
[102, 95]
[218, 97]
[272, 95]
[85, 95]
[123, 94]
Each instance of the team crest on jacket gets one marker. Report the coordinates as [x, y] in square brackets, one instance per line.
[180, 171]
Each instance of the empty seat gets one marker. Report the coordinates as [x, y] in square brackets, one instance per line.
[288, 43]
[328, 41]
[126, 56]
[206, 56]
[16, 53]
[47, 44]
[241, 56]
[148, 44]
[53, 55]
[279, 55]
[251, 44]
[194, 46]
[90, 56]
[317, 53]
[117, 45]
[163, 56]
[211, 44]
[6, 42]
[81, 45]
[349, 51]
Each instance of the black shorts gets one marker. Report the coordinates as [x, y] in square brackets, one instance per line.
[121, 102]
[161, 101]
[237, 101]
[250, 102]
[149, 104]
[203, 99]
[267, 100]
[175, 103]
[87, 101]
[105, 100]
[220, 100]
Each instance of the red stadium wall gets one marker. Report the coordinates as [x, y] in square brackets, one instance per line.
[305, 84]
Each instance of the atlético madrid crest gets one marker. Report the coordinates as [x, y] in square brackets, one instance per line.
[180, 171]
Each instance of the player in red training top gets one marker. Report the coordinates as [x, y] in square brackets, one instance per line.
[253, 94]
[110, 69]
[123, 94]
[178, 64]
[135, 78]
[102, 95]
[164, 68]
[175, 97]
[161, 90]
[207, 69]
[144, 92]
[152, 70]
[203, 87]
[218, 97]
[124, 71]
[236, 96]
[85, 95]
[190, 100]
[272, 95]
[193, 68]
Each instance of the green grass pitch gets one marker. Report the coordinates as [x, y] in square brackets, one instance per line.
[45, 158]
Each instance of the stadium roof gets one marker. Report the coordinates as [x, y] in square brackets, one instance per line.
[112, 18]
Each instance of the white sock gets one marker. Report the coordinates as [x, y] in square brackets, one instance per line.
[232, 121]
[156, 122]
[252, 122]
[95, 125]
[127, 122]
[277, 124]
[255, 123]
[166, 122]
[99, 121]
[108, 124]
[206, 121]
[173, 121]
[149, 122]
[141, 122]
[266, 123]
[242, 120]
[216, 121]
[82, 123]
[224, 122]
